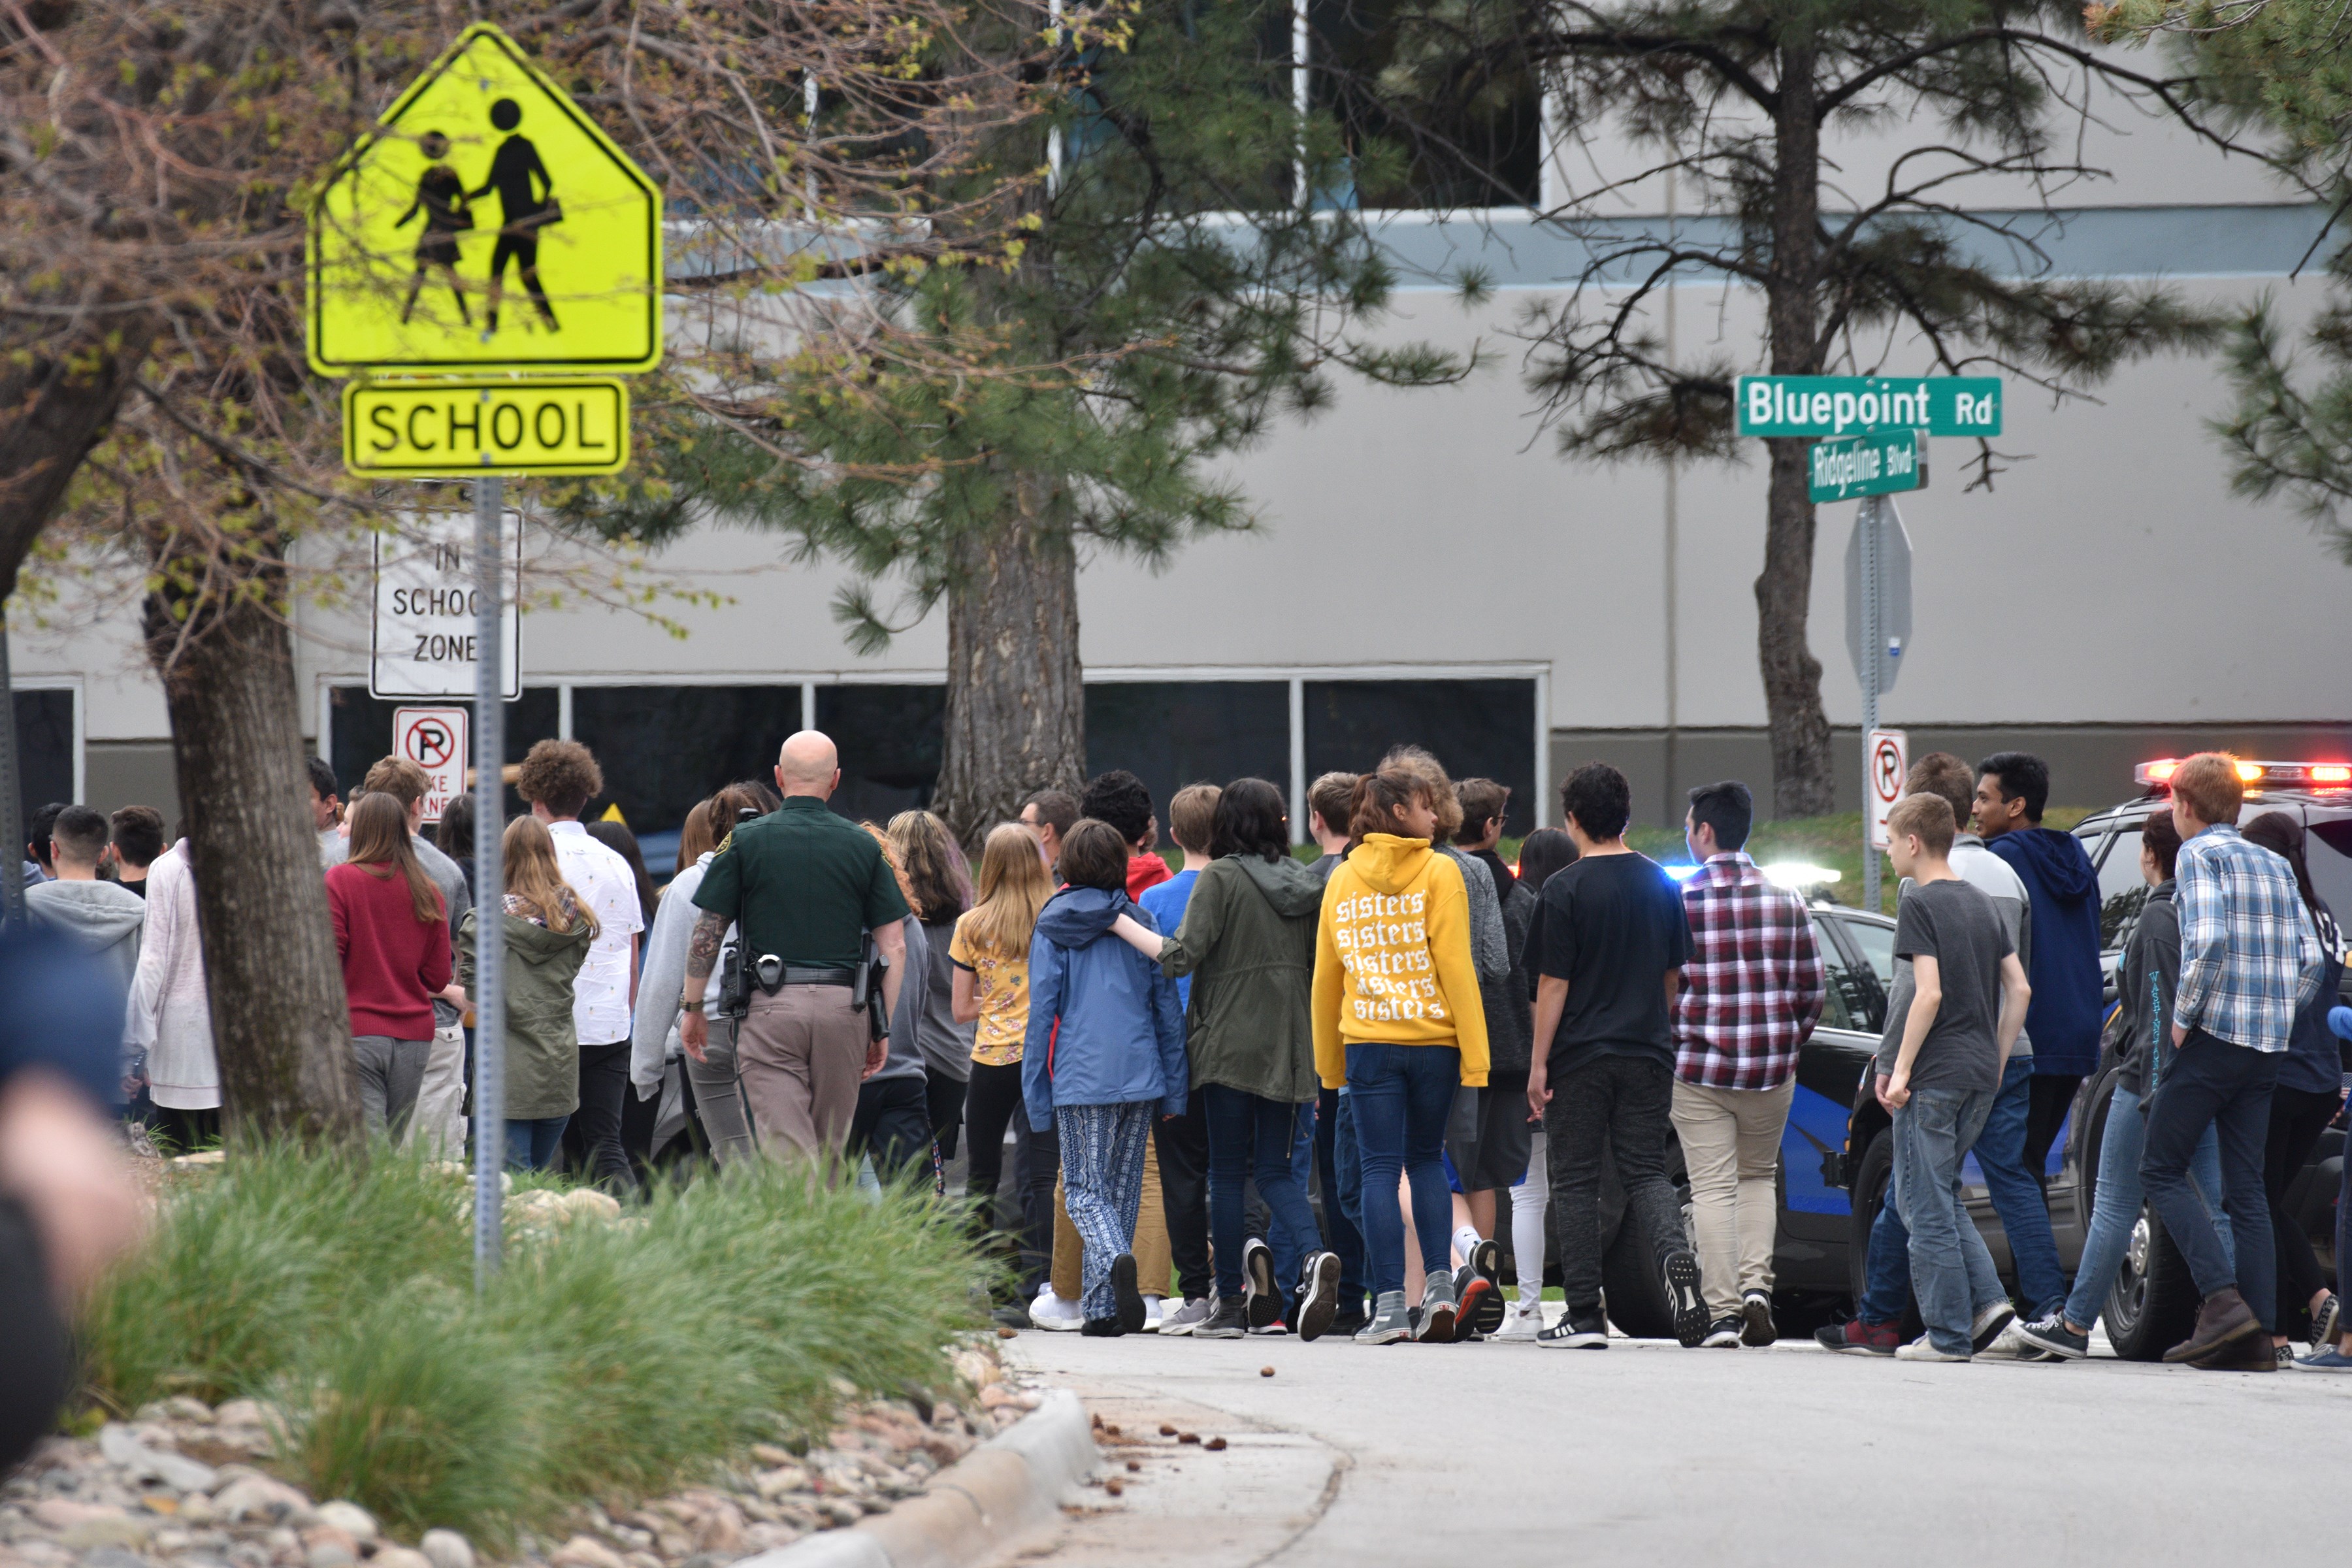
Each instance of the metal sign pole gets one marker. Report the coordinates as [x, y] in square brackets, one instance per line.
[1874, 643]
[12, 802]
[490, 880]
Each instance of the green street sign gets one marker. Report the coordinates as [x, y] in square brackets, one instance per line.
[1826, 405]
[1879, 464]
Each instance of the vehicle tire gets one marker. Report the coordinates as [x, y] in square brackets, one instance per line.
[1632, 1291]
[1874, 1189]
[2153, 1305]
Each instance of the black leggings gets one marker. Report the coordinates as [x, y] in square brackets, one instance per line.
[37, 1370]
[2298, 1116]
[991, 1102]
[943, 1098]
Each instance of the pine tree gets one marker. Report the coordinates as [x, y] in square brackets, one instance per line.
[1166, 295]
[1732, 101]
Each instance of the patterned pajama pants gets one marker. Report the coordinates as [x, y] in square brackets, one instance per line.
[1102, 1171]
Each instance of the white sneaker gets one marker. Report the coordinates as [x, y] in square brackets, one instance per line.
[1181, 1322]
[1151, 1310]
[1921, 1349]
[1050, 1313]
[1521, 1322]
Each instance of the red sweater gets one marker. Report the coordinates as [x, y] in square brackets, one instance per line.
[393, 961]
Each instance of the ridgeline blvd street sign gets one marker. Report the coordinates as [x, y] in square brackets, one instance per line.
[435, 740]
[1826, 405]
[424, 636]
[1893, 563]
[1881, 463]
[486, 221]
[556, 424]
[1885, 759]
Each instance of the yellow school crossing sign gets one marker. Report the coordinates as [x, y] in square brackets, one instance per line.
[486, 223]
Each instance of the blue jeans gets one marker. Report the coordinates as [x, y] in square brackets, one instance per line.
[1951, 1269]
[2115, 1204]
[2016, 1196]
[532, 1145]
[1404, 1095]
[1253, 1137]
[2212, 1083]
[1339, 1232]
[1348, 1170]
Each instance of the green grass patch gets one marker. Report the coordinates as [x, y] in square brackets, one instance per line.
[607, 1361]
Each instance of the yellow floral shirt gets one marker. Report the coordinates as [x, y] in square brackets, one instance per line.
[1000, 986]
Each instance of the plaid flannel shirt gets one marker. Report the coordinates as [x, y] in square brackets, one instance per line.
[1753, 988]
[2249, 957]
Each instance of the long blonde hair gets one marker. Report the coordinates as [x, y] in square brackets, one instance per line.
[536, 877]
[1013, 888]
[881, 837]
[380, 837]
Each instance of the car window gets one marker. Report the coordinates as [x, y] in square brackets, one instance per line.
[1868, 986]
[2327, 850]
[1835, 1014]
[2122, 889]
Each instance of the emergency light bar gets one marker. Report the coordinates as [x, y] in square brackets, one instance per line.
[2257, 775]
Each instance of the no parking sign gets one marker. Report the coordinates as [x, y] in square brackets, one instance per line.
[435, 740]
[1887, 758]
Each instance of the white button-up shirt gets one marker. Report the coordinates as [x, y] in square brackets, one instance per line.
[600, 997]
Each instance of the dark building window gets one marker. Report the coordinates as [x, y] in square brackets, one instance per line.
[1172, 733]
[1478, 729]
[360, 730]
[664, 748]
[890, 739]
[45, 751]
[1441, 111]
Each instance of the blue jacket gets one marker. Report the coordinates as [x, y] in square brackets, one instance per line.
[2063, 902]
[1121, 1034]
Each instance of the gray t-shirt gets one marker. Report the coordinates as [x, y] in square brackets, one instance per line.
[1958, 926]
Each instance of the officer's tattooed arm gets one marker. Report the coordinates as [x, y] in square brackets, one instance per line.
[703, 948]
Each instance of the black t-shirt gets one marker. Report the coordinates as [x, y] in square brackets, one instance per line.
[1959, 927]
[1613, 926]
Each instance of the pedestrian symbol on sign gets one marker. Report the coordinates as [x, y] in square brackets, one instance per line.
[1889, 761]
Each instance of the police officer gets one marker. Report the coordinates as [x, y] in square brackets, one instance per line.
[803, 885]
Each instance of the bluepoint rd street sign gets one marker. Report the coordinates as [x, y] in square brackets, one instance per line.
[1825, 405]
[1879, 464]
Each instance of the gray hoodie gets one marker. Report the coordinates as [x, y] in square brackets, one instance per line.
[1490, 946]
[103, 919]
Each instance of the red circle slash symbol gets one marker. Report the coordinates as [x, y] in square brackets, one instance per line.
[1886, 770]
[429, 744]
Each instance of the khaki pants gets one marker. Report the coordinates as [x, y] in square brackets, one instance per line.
[1154, 1263]
[802, 1053]
[1731, 1145]
[439, 1123]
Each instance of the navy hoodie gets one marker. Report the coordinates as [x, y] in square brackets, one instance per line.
[2063, 891]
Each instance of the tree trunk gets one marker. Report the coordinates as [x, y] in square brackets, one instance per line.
[1802, 781]
[1016, 713]
[279, 1021]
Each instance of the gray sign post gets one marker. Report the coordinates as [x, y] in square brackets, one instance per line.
[1878, 628]
[490, 880]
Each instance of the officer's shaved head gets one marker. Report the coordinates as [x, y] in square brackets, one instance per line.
[807, 763]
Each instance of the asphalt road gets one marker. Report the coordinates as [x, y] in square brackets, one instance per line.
[1505, 1454]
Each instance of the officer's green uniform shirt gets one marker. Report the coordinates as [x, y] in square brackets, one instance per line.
[803, 882]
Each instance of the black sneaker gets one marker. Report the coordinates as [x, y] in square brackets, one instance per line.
[1723, 1334]
[1683, 1298]
[1485, 1315]
[1011, 1317]
[2052, 1335]
[1858, 1338]
[1123, 1291]
[1263, 1301]
[1988, 1324]
[1585, 1333]
[1757, 1328]
[1102, 1329]
[1318, 1300]
[2326, 1320]
[1229, 1322]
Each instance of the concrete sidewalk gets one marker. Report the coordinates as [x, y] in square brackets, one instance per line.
[1355, 1457]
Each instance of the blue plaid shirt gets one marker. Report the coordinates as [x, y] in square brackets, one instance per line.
[2249, 957]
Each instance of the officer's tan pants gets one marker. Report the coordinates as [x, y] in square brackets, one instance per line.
[1154, 1263]
[802, 1052]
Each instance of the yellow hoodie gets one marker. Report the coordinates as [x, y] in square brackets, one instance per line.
[1392, 958]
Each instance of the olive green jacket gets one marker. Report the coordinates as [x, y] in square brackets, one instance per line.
[542, 1052]
[1248, 939]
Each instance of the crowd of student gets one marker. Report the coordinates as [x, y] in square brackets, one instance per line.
[1437, 1041]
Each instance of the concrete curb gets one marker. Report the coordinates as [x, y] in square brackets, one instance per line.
[1007, 1487]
